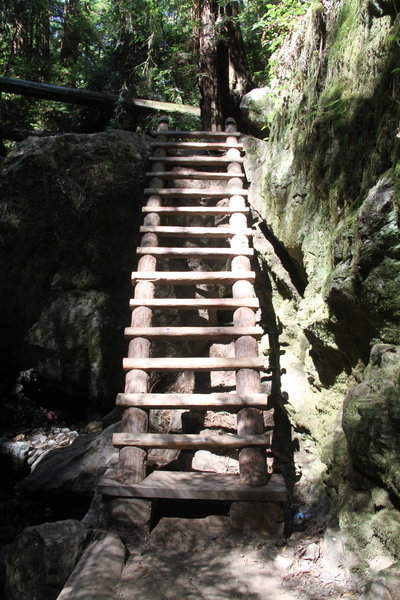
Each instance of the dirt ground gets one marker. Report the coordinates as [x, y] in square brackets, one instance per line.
[195, 559]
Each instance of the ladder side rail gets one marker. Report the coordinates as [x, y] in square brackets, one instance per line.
[252, 461]
[132, 460]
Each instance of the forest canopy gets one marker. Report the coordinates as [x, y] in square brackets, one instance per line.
[140, 48]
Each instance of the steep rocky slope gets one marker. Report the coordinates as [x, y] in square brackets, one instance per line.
[325, 197]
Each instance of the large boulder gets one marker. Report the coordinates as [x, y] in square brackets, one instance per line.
[42, 558]
[255, 107]
[98, 571]
[364, 285]
[371, 419]
[70, 213]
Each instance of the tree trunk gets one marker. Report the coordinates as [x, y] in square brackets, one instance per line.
[234, 61]
[71, 34]
[223, 73]
[208, 80]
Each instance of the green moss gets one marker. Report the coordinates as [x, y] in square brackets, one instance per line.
[368, 526]
[386, 525]
[332, 138]
[382, 288]
[336, 109]
[347, 22]
[355, 517]
[361, 570]
[395, 173]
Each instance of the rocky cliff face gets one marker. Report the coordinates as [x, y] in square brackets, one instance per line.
[324, 193]
[69, 214]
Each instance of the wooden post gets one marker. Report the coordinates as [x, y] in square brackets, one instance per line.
[132, 460]
[252, 461]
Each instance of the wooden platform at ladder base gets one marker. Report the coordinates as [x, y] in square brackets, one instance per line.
[195, 486]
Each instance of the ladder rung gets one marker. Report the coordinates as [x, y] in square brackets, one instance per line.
[193, 364]
[197, 210]
[198, 134]
[196, 303]
[196, 251]
[194, 193]
[181, 231]
[197, 145]
[195, 160]
[191, 277]
[188, 441]
[194, 175]
[193, 333]
[193, 401]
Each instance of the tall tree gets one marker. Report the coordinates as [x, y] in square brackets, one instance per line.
[143, 48]
[25, 37]
[223, 75]
[205, 14]
[71, 32]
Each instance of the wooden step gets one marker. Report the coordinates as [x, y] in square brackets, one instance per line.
[194, 486]
[204, 232]
[189, 441]
[197, 145]
[214, 402]
[194, 175]
[196, 160]
[193, 364]
[196, 210]
[194, 193]
[193, 333]
[191, 277]
[196, 303]
[198, 134]
[186, 252]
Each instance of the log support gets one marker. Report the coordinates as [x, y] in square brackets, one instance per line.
[132, 460]
[252, 461]
[33, 89]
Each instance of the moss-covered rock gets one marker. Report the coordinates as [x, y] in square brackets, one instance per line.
[386, 584]
[362, 289]
[325, 191]
[371, 419]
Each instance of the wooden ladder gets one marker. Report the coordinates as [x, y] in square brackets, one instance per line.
[218, 157]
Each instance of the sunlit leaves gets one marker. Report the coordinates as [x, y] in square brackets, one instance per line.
[265, 24]
[141, 48]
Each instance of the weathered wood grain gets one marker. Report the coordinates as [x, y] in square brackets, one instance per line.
[193, 364]
[193, 401]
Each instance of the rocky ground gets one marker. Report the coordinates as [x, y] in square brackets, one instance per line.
[196, 559]
[181, 557]
[50, 464]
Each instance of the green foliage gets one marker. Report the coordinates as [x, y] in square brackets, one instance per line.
[141, 48]
[277, 21]
[265, 24]
[129, 47]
